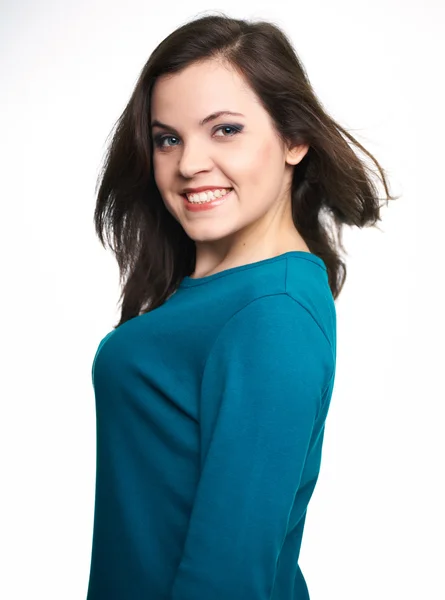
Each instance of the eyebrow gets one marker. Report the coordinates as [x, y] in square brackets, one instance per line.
[211, 117]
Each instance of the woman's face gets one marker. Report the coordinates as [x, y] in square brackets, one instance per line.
[239, 151]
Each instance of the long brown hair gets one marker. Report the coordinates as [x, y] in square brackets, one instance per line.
[331, 186]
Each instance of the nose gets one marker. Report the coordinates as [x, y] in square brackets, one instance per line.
[194, 159]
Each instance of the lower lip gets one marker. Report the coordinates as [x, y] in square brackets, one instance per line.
[206, 205]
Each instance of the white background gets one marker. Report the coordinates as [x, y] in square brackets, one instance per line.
[375, 526]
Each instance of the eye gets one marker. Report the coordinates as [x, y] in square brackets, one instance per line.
[159, 140]
[235, 129]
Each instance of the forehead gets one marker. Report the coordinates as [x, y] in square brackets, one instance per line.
[200, 89]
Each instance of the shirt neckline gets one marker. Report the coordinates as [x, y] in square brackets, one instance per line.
[188, 281]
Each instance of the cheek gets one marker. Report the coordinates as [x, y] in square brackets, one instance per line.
[158, 172]
[253, 166]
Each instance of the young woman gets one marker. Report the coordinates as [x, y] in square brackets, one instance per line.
[224, 192]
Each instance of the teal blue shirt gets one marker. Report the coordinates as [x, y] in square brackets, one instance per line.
[210, 414]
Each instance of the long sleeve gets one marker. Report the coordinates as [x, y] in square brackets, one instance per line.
[262, 391]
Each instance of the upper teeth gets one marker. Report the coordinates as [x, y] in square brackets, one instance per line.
[208, 195]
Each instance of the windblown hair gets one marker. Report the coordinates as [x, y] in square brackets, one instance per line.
[331, 186]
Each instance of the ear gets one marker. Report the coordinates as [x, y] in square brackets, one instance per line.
[295, 154]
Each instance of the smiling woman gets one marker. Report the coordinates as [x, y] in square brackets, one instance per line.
[224, 192]
[255, 220]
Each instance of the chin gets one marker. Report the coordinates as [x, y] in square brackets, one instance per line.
[205, 232]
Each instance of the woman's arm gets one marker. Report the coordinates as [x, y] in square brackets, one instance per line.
[262, 390]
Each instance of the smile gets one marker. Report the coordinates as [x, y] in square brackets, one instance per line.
[212, 201]
[207, 196]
